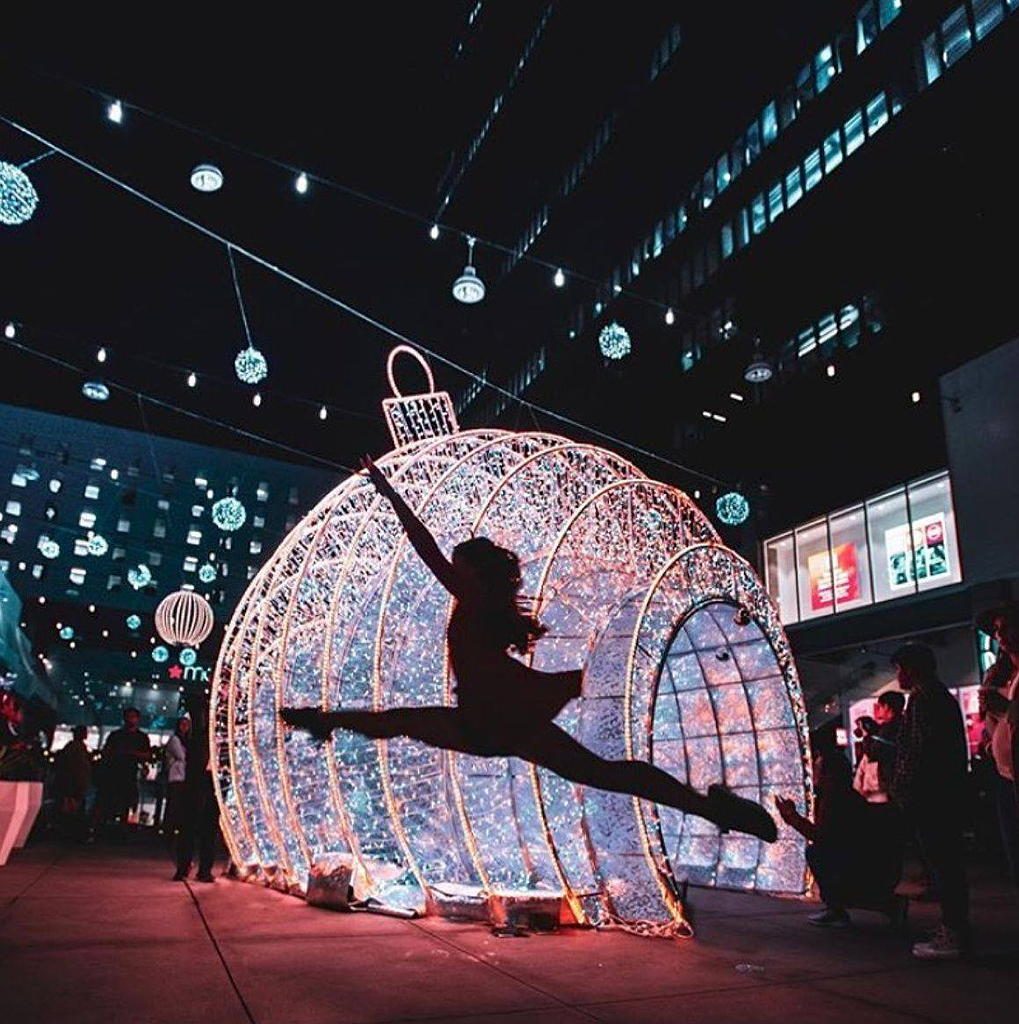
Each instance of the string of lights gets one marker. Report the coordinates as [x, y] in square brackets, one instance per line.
[353, 311]
[302, 178]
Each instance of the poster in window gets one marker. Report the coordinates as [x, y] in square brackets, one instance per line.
[930, 552]
[847, 577]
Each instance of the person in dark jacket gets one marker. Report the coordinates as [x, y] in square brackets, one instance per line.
[929, 788]
[73, 767]
[854, 850]
[198, 820]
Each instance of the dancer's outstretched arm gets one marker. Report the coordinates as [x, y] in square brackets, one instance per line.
[417, 533]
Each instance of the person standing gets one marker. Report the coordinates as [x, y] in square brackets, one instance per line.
[175, 755]
[125, 751]
[199, 816]
[874, 773]
[929, 788]
[73, 765]
[999, 707]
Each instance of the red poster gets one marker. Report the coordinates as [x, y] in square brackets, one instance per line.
[847, 577]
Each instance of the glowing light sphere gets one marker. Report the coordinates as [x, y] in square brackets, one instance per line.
[95, 390]
[160, 654]
[133, 622]
[732, 508]
[139, 576]
[18, 197]
[250, 366]
[184, 618]
[49, 548]
[207, 573]
[207, 178]
[97, 545]
[188, 657]
[229, 514]
[633, 585]
[614, 341]
[67, 633]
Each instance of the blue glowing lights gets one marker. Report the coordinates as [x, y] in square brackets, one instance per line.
[188, 657]
[229, 514]
[98, 545]
[67, 633]
[250, 366]
[160, 654]
[207, 573]
[614, 341]
[139, 576]
[133, 622]
[18, 197]
[732, 508]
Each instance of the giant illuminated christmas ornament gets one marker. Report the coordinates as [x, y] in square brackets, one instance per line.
[685, 665]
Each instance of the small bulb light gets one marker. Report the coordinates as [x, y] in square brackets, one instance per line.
[560, 278]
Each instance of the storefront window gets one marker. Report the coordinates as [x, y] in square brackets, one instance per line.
[934, 536]
[894, 545]
[780, 576]
[814, 570]
[850, 559]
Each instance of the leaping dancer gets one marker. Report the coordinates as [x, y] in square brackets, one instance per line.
[505, 708]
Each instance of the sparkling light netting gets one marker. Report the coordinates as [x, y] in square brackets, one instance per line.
[685, 664]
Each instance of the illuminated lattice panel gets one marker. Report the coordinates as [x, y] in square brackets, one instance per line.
[345, 614]
[714, 696]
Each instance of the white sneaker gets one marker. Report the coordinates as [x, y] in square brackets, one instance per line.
[944, 944]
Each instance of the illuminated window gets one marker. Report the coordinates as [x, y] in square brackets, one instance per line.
[255, 547]
[154, 558]
[123, 525]
[854, 132]
[13, 507]
[877, 113]
[163, 505]
[888, 11]
[201, 483]
[87, 519]
[77, 575]
[19, 479]
[832, 152]
[769, 124]
[119, 554]
[825, 68]
[159, 528]
[986, 15]
[190, 563]
[758, 218]
[956, 36]
[91, 492]
[866, 26]
[197, 511]
[262, 491]
[812, 169]
[258, 521]
[37, 571]
[775, 205]
[727, 241]
[114, 582]
[194, 536]
[80, 547]
[793, 187]
[98, 464]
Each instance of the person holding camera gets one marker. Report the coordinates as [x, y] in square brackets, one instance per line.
[880, 736]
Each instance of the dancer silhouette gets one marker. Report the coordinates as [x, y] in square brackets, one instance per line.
[505, 708]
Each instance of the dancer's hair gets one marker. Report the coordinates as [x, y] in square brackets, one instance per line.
[511, 621]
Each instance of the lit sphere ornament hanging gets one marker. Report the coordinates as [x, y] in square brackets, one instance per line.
[207, 573]
[160, 654]
[468, 288]
[229, 514]
[18, 197]
[139, 576]
[732, 508]
[250, 366]
[67, 633]
[614, 341]
[133, 622]
[635, 588]
[184, 618]
[49, 548]
[97, 545]
[95, 391]
[188, 657]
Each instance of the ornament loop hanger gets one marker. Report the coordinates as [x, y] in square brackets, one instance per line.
[397, 393]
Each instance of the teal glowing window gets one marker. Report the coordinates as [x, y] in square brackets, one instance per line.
[854, 133]
[769, 124]
[956, 36]
[793, 187]
[877, 113]
[832, 152]
[775, 204]
[812, 169]
[757, 214]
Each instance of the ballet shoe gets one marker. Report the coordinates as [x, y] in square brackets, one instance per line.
[734, 812]
[311, 720]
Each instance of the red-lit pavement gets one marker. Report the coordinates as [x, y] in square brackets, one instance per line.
[101, 934]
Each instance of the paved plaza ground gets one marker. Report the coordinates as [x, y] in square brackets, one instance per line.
[101, 934]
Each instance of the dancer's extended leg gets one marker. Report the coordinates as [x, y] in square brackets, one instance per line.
[436, 726]
[552, 748]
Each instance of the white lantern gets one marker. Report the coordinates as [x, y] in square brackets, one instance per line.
[185, 618]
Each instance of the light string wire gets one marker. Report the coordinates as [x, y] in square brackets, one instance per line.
[249, 435]
[352, 310]
[205, 375]
[372, 200]
[237, 292]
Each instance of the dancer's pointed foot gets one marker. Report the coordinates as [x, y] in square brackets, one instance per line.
[734, 812]
[312, 720]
